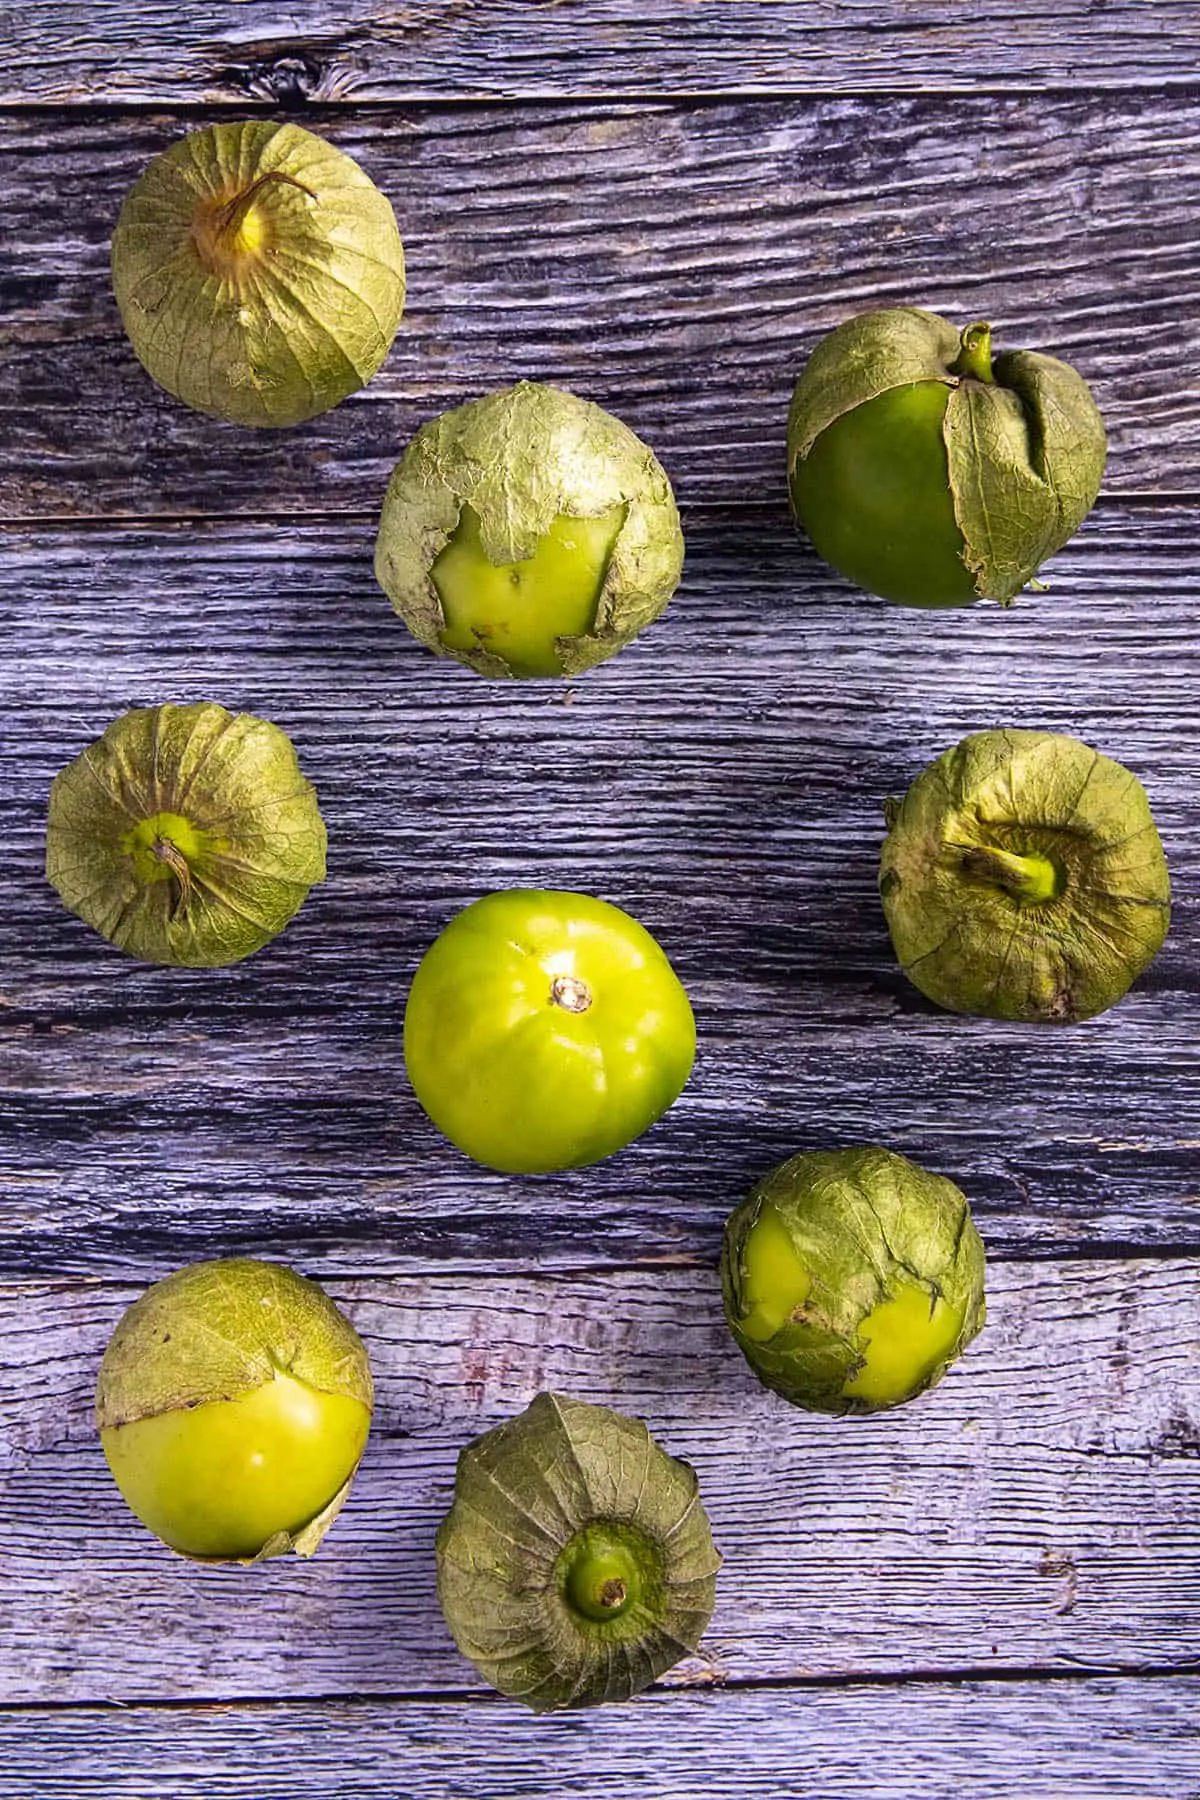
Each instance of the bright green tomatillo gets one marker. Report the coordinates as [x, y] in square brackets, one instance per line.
[233, 1404]
[852, 1279]
[576, 1564]
[528, 533]
[1022, 877]
[259, 272]
[932, 474]
[186, 834]
[545, 1030]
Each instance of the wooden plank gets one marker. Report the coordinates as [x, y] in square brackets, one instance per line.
[723, 779]
[1096, 1739]
[673, 262]
[363, 50]
[1039, 1510]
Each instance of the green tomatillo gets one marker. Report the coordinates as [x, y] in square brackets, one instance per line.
[233, 1404]
[259, 272]
[545, 1030]
[932, 474]
[528, 533]
[576, 1563]
[852, 1279]
[1022, 877]
[186, 834]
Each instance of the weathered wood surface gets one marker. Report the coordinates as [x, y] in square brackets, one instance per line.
[1097, 1739]
[723, 779]
[673, 262]
[120, 50]
[1040, 1509]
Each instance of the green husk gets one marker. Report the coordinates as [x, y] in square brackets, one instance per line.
[533, 1494]
[186, 834]
[964, 931]
[867, 1225]
[259, 272]
[520, 458]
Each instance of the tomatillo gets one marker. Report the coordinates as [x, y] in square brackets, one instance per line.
[931, 474]
[577, 1563]
[528, 532]
[1023, 877]
[233, 1404]
[545, 1030]
[852, 1279]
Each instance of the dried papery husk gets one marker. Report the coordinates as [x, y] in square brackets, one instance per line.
[520, 459]
[1024, 441]
[569, 1486]
[259, 272]
[855, 1231]
[186, 834]
[219, 1331]
[1023, 877]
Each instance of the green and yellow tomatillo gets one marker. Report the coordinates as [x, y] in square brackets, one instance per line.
[852, 1279]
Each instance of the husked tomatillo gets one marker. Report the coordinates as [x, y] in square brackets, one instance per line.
[932, 473]
[852, 1279]
[528, 533]
[1023, 877]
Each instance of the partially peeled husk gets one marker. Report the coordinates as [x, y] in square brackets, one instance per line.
[1025, 451]
[259, 272]
[867, 1227]
[218, 1330]
[520, 458]
[186, 834]
[526, 1494]
[962, 932]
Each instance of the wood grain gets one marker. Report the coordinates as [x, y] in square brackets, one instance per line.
[1096, 1739]
[446, 50]
[1040, 1509]
[675, 263]
[723, 779]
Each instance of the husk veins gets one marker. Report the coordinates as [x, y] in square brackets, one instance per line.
[1026, 451]
[520, 458]
[259, 272]
[969, 938]
[218, 1330]
[527, 1496]
[866, 1224]
[221, 794]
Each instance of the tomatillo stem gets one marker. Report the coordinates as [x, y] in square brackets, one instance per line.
[176, 861]
[571, 993]
[232, 215]
[974, 359]
[1030, 879]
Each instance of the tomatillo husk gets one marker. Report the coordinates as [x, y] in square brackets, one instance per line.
[259, 272]
[576, 1563]
[233, 1404]
[928, 471]
[186, 834]
[852, 1279]
[528, 533]
[1022, 877]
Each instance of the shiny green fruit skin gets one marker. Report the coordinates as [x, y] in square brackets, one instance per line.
[545, 1030]
[873, 494]
[233, 1402]
[220, 1481]
[520, 611]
